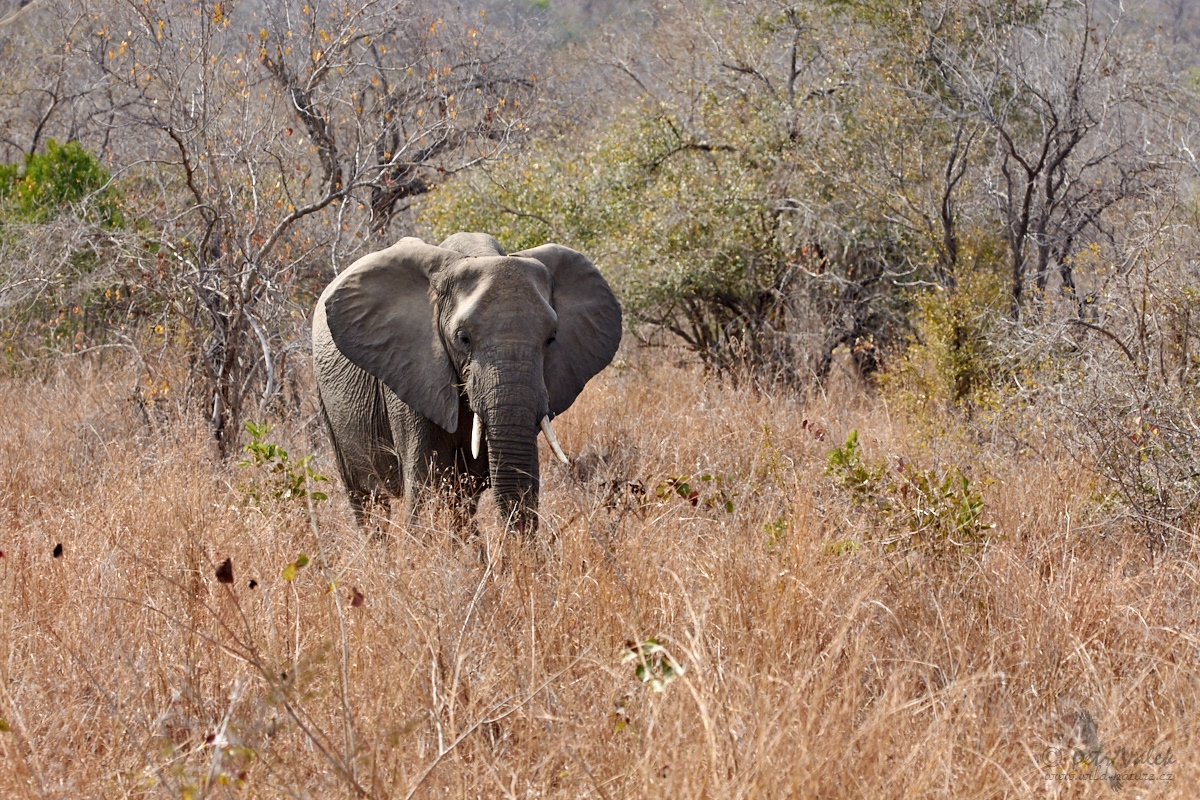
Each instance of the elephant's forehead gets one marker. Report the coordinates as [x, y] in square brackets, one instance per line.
[516, 283]
[508, 275]
[504, 268]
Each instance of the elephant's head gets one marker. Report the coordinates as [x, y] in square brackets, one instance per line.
[518, 334]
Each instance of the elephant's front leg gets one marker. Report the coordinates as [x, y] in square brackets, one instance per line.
[434, 460]
[413, 446]
[444, 471]
[463, 488]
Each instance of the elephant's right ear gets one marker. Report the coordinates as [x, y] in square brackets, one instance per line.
[381, 320]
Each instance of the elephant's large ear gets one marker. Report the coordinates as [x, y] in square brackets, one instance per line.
[381, 319]
[589, 323]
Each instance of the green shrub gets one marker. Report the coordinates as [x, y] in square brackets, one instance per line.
[62, 176]
[276, 475]
[933, 508]
[74, 277]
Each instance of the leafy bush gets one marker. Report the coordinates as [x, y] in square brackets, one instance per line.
[850, 473]
[63, 282]
[718, 491]
[690, 229]
[653, 663]
[937, 509]
[277, 475]
[62, 176]
[956, 355]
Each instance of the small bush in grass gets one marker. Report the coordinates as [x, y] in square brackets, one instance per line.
[718, 491]
[935, 508]
[653, 664]
[277, 475]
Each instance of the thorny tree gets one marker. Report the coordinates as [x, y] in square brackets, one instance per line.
[1077, 120]
[262, 143]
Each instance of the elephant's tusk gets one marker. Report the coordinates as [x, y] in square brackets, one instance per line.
[550, 437]
[476, 436]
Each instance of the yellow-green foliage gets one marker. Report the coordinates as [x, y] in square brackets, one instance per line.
[909, 506]
[953, 357]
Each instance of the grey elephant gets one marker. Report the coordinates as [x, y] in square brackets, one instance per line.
[437, 366]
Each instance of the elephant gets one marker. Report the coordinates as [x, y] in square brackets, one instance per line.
[437, 365]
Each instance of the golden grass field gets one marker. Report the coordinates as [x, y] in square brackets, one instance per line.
[814, 662]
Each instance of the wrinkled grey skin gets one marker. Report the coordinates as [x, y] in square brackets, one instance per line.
[411, 341]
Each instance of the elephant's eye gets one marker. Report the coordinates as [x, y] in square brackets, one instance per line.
[552, 338]
[462, 338]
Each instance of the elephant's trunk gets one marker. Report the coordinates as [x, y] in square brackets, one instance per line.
[508, 394]
[513, 467]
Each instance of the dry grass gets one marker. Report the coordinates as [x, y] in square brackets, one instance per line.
[810, 668]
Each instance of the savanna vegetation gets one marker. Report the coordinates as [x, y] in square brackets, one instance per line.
[891, 490]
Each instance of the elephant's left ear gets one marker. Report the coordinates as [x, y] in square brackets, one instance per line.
[589, 323]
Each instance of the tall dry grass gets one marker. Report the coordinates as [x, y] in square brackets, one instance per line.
[814, 663]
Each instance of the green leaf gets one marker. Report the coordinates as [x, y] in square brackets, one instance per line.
[289, 572]
[301, 561]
